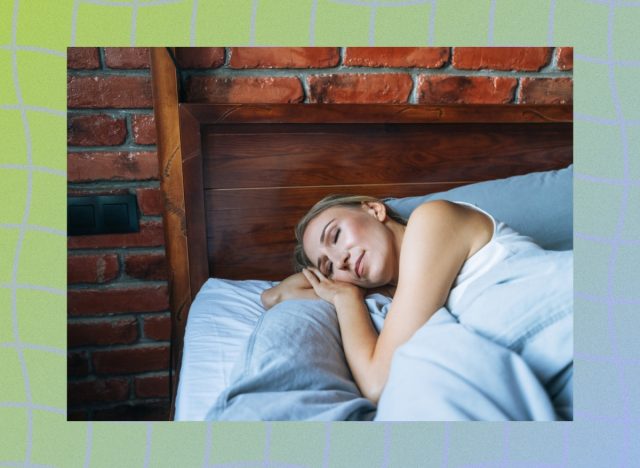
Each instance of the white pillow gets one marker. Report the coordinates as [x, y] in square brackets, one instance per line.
[221, 319]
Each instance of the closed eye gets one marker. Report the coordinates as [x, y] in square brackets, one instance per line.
[335, 239]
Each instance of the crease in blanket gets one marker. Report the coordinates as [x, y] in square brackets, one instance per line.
[293, 368]
[525, 303]
[446, 372]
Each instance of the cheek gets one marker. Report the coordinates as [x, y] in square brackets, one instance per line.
[344, 277]
[310, 249]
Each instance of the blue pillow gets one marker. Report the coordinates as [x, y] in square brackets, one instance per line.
[293, 368]
[538, 205]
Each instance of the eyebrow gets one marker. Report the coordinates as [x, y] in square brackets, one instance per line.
[322, 237]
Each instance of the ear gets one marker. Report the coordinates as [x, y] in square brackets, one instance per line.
[376, 209]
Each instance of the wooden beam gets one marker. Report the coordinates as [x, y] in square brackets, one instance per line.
[181, 288]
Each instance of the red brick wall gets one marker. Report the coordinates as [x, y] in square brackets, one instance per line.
[440, 75]
[118, 306]
[119, 327]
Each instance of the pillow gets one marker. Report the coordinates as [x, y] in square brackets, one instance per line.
[221, 319]
[293, 368]
[538, 205]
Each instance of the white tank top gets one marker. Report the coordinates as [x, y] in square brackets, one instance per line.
[504, 243]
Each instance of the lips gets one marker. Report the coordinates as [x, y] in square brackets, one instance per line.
[358, 265]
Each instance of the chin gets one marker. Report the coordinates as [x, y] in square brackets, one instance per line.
[376, 282]
[379, 279]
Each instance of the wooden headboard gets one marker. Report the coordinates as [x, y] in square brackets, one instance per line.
[236, 178]
[259, 168]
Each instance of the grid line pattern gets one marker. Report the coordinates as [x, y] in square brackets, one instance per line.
[607, 246]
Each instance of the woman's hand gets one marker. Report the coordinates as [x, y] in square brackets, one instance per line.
[328, 289]
[295, 286]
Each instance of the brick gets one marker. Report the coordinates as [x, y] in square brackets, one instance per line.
[150, 201]
[501, 58]
[102, 332]
[131, 360]
[564, 57]
[77, 364]
[95, 130]
[83, 58]
[546, 91]
[200, 57]
[360, 88]
[284, 57]
[120, 92]
[418, 57]
[158, 328]
[90, 302]
[244, 89]
[105, 165]
[148, 266]
[92, 268]
[156, 386]
[127, 57]
[97, 391]
[144, 129]
[151, 234]
[156, 411]
[445, 89]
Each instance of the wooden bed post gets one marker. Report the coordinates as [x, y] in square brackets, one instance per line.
[185, 278]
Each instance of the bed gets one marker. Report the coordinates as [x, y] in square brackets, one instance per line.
[236, 178]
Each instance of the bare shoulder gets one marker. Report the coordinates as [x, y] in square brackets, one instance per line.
[438, 212]
[453, 221]
[427, 206]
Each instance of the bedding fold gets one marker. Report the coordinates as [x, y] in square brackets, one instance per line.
[293, 368]
[446, 372]
[525, 304]
[504, 351]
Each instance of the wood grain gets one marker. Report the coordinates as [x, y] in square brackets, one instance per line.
[276, 155]
[193, 194]
[377, 113]
[251, 232]
[186, 271]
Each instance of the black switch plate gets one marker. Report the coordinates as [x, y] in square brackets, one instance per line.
[102, 214]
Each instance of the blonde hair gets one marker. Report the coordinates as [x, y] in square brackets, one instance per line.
[300, 259]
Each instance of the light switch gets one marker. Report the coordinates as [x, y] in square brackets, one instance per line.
[102, 214]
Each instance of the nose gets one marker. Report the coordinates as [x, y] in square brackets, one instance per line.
[341, 260]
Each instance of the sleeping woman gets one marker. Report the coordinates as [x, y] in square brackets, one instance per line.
[348, 245]
[496, 282]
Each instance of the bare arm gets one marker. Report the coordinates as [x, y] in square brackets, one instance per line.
[439, 237]
[295, 286]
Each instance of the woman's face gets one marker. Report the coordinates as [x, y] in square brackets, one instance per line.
[352, 245]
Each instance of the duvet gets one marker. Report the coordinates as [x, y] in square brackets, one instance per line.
[502, 352]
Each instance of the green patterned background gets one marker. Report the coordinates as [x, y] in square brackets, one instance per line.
[34, 35]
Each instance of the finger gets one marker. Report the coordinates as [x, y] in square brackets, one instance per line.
[311, 277]
[318, 273]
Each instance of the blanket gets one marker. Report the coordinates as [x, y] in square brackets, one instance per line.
[504, 351]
